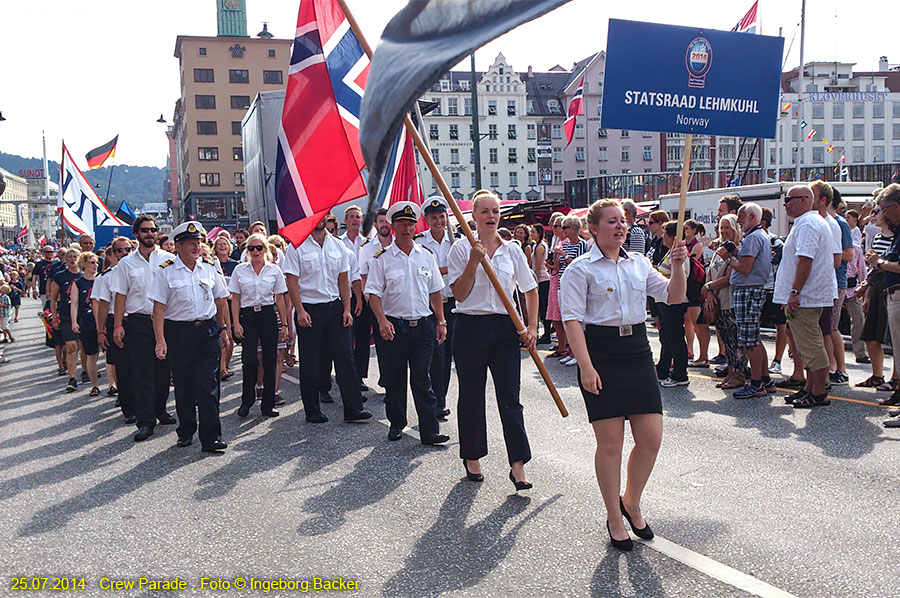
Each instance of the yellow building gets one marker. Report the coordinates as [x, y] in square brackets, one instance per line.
[16, 191]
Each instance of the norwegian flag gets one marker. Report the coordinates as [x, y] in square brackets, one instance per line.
[401, 177]
[22, 234]
[575, 108]
[319, 162]
[748, 23]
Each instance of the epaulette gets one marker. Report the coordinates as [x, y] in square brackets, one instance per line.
[364, 243]
[419, 236]
[379, 252]
[108, 268]
[208, 261]
[166, 263]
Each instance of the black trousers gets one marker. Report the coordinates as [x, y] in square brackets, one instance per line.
[195, 350]
[410, 351]
[260, 329]
[481, 343]
[674, 352]
[362, 337]
[119, 357]
[442, 358]
[149, 375]
[327, 336]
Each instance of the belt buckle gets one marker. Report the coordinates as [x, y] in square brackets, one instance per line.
[412, 323]
[257, 308]
[625, 330]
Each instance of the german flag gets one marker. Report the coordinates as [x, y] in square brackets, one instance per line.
[97, 156]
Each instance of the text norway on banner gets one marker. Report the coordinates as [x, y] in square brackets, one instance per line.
[690, 80]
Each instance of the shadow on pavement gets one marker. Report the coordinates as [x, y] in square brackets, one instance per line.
[642, 578]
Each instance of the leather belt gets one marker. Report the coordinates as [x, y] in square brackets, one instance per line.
[407, 322]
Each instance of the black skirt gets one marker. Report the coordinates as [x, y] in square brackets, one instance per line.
[627, 373]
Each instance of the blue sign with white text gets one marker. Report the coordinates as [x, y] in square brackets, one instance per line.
[688, 80]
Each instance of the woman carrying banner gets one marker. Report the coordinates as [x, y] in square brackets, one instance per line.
[603, 297]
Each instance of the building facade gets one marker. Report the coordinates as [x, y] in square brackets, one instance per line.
[219, 78]
[13, 206]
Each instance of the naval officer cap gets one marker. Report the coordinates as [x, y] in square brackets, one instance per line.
[435, 203]
[188, 230]
[403, 210]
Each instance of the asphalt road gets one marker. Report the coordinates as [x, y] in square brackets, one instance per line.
[778, 501]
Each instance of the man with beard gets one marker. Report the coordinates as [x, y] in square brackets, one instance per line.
[133, 328]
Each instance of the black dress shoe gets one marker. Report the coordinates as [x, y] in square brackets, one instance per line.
[143, 433]
[357, 416]
[183, 442]
[623, 545]
[216, 446]
[166, 419]
[395, 434]
[443, 413]
[317, 418]
[130, 419]
[271, 413]
[519, 485]
[363, 387]
[325, 397]
[645, 533]
[118, 403]
[436, 439]
[472, 477]
[243, 411]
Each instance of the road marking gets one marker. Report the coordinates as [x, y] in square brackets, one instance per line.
[411, 431]
[715, 569]
[291, 378]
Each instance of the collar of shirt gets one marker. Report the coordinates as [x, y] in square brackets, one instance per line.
[597, 254]
[752, 229]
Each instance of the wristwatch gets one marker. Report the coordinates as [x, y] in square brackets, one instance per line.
[442, 323]
[795, 292]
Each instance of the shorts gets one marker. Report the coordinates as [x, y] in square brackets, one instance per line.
[773, 313]
[4, 322]
[807, 332]
[838, 307]
[825, 320]
[748, 305]
[66, 334]
[88, 338]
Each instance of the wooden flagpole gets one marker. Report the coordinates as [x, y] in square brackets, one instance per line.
[685, 181]
[445, 191]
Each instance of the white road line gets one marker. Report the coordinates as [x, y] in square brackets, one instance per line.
[291, 378]
[410, 431]
[715, 569]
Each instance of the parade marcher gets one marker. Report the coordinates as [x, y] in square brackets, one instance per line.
[116, 358]
[362, 322]
[257, 290]
[277, 245]
[673, 355]
[318, 280]
[60, 287]
[82, 316]
[383, 238]
[146, 373]
[603, 297]
[404, 289]
[189, 325]
[485, 338]
[439, 240]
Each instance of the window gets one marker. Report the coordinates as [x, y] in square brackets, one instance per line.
[837, 132]
[454, 131]
[471, 133]
[492, 131]
[859, 110]
[464, 84]
[206, 127]
[529, 106]
[209, 179]
[878, 156]
[878, 131]
[495, 179]
[626, 153]
[601, 133]
[897, 153]
[208, 154]
[467, 106]
[433, 132]
[445, 85]
[896, 134]
[532, 155]
[471, 155]
[579, 131]
[532, 178]
[579, 154]
[436, 155]
[205, 102]
[511, 131]
[646, 134]
[211, 207]
[236, 127]
[579, 174]
[557, 131]
[452, 108]
[818, 110]
[859, 132]
[601, 153]
[531, 131]
[648, 152]
[240, 102]
[512, 157]
[557, 154]
[238, 76]
[271, 53]
[273, 77]
[239, 179]
[201, 51]
[204, 76]
[454, 155]
[818, 153]
[513, 179]
[859, 154]
[878, 110]
[624, 133]
[553, 107]
[837, 110]
[557, 177]
[454, 180]
[510, 107]
[492, 155]
[896, 109]
[492, 107]
[237, 153]
[437, 108]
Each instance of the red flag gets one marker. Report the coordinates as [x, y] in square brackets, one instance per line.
[319, 161]
[401, 177]
[748, 23]
[22, 234]
[575, 108]
[42, 241]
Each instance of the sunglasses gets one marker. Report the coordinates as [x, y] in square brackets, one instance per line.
[255, 247]
[123, 249]
[788, 198]
[148, 229]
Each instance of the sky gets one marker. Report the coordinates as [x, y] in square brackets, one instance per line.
[87, 70]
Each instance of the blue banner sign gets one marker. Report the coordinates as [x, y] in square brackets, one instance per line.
[689, 80]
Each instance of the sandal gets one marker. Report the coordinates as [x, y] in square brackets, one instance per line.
[557, 353]
[889, 386]
[871, 381]
[94, 392]
[809, 400]
[226, 374]
[113, 391]
[733, 384]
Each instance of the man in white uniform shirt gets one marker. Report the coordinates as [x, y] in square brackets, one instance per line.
[362, 315]
[319, 286]
[133, 328]
[383, 238]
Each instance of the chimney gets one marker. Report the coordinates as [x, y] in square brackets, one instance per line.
[530, 72]
[883, 64]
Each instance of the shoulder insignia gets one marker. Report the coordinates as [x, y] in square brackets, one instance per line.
[166, 263]
[419, 236]
[108, 268]
[209, 261]
[364, 243]
[379, 252]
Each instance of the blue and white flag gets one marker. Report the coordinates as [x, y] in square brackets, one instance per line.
[78, 205]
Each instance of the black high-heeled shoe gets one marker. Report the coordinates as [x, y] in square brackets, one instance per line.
[645, 533]
[519, 485]
[472, 477]
[623, 545]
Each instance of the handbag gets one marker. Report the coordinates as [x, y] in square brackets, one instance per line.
[711, 308]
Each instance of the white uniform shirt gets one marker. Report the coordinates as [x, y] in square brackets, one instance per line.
[257, 289]
[596, 290]
[810, 237]
[353, 246]
[101, 291]
[133, 275]
[512, 270]
[317, 268]
[404, 282]
[367, 251]
[441, 252]
[354, 266]
[188, 295]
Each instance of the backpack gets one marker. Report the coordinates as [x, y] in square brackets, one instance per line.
[695, 280]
